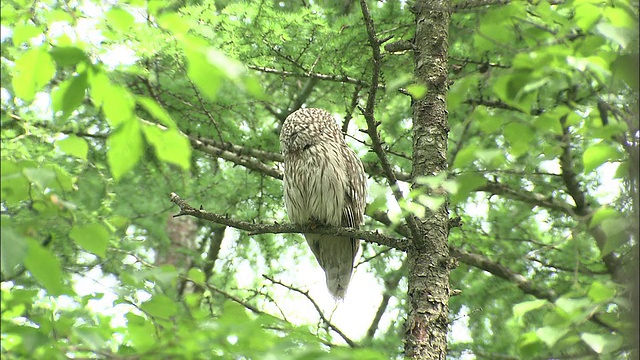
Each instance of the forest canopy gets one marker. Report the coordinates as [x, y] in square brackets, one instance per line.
[118, 115]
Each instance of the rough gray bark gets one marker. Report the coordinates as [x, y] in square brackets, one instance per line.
[428, 256]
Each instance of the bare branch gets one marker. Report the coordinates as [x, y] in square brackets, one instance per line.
[318, 310]
[235, 299]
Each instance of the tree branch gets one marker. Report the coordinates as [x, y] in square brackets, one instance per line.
[335, 78]
[372, 124]
[582, 209]
[369, 236]
[497, 188]
[235, 158]
[390, 285]
[528, 287]
[501, 271]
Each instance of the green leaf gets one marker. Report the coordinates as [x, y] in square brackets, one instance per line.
[432, 202]
[33, 70]
[45, 267]
[125, 148]
[600, 292]
[63, 182]
[550, 335]
[100, 87]
[41, 177]
[512, 90]
[14, 248]
[74, 146]
[141, 332]
[68, 55]
[174, 23]
[196, 275]
[524, 307]
[15, 185]
[90, 336]
[24, 33]
[622, 172]
[576, 309]
[460, 89]
[602, 343]
[597, 154]
[467, 182]
[69, 95]
[586, 15]
[616, 235]
[519, 136]
[620, 36]
[625, 67]
[92, 237]
[602, 214]
[157, 111]
[487, 123]
[205, 74]
[118, 103]
[417, 91]
[465, 156]
[170, 145]
[549, 120]
[160, 306]
[120, 19]
[621, 17]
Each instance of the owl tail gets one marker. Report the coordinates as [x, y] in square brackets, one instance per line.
[335, 254]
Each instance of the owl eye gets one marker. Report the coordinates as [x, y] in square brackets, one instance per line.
[306, 147]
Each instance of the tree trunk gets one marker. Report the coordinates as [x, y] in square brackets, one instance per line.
[428, 257]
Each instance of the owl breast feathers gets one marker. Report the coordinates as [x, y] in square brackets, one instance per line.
[324, 184]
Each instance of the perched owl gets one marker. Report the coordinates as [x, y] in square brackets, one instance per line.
[324, 184]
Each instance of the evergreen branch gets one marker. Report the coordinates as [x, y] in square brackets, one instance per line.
[318, 310]
[241, 150]
[335, 78]
[246, 161]
[528, 287]
[372, 124]
[256, 228]
[528, 197]
[501, 271]
[473, 4]
[499, 104]
[254, 159]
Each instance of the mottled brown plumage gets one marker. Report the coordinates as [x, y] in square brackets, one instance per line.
[325, 184]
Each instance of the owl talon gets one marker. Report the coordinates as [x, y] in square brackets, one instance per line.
[314, 224]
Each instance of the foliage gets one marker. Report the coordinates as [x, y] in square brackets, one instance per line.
[106, 109]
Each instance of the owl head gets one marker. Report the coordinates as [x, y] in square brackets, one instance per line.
[305, 128]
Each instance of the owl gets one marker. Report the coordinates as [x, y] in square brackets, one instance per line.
[324, 184]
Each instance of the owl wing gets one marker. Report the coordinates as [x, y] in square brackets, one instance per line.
[355, 196]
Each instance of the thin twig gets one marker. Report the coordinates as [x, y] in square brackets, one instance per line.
[318, 310]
